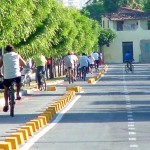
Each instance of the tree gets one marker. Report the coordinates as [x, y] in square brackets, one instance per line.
[146, 5]
[106, 37]
[94, 11]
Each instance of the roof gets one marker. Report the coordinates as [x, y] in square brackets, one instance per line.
[125, 13]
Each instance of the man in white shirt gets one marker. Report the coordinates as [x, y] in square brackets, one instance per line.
[11, 62]
[70, 61]
[96, 57]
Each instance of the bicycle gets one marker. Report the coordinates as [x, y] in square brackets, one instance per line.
[43, 86]
[129, 67]
[70, 75]
[96, 66]
[84, 71]
[11, 96]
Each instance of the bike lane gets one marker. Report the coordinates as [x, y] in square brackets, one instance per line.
[29, 107]
[111, 114]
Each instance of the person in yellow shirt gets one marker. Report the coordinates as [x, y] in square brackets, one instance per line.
[39, 61]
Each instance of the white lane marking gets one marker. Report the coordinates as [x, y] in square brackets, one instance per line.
[132, 133]
[131, 122]
[131, 128]
[130, 119]
[132, 139]
[50, 126]
[133, 146]
[130, 125]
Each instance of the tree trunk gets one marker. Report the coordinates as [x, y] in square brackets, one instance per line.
[51, 69]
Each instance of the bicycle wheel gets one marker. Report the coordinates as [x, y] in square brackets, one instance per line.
[44, 84]
[69, 75]
[84, 73]
[132, 69]
[127, 69]
[28, 80]
[11, 101]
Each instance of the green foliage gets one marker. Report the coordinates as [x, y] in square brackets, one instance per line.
[94, 11]
[45, 26]
[106, 37]
[110, 6]
[146, 5]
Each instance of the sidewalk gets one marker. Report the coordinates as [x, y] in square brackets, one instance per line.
[28, 89]
[33, 86]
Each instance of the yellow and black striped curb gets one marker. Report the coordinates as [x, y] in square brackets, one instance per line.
[22, 134]
[96, 77]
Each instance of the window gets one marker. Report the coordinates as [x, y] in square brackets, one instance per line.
[119, 25]
[108, 23]
[103, 24]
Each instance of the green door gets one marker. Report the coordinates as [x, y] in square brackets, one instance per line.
[127, 46]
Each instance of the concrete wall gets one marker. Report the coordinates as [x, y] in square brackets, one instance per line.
[114, 53]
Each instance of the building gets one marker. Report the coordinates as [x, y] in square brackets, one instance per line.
[132, 28]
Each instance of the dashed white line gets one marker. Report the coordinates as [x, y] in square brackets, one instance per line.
[132, 133]
[132, 139]
[133, 146]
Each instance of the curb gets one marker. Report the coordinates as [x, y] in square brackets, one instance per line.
[28, 91]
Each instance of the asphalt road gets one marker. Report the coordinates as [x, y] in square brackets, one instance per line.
[112, 114]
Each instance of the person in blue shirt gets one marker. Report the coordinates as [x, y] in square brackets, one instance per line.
[128, 58]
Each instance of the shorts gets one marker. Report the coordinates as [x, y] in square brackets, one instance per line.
[7, 82]
[91, 65]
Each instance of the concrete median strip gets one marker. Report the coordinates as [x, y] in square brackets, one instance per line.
[13, 141]
[93, 79]
[26, 131]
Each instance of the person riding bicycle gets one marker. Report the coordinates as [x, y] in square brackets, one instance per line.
[11, 61]
[69, 62]
[128, 59]
[75, 65]
[39, 61]
[96, 57]
[92, 60]
[84, 61]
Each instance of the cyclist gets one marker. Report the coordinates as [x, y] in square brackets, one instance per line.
[96, 57]
[75, 65]
[128, 59]
[39, 61]
[91, 59]
[69, 61]
[84, 61]
[11, 62]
